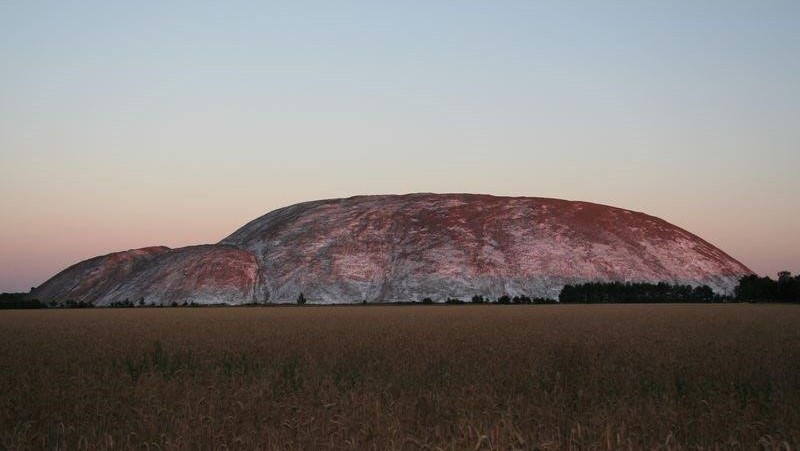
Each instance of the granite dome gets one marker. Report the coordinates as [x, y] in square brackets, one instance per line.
[406, 247]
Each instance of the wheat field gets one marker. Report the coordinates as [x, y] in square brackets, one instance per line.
[402, 377]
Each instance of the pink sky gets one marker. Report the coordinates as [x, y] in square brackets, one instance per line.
[129, 125]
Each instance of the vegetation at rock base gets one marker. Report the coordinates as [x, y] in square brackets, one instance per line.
[749, 289]
[19, 301]
[764, 289]
[618, 292]
[673, 376]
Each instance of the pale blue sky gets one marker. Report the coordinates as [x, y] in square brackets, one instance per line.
[139, 123]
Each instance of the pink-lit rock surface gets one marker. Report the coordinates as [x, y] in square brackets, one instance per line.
[206, 274]
[401, 248]
[91, 279]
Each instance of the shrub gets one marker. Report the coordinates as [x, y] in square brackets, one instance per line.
[79, 304]
[121, 304]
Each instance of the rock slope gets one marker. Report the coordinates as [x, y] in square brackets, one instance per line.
[400, 248]
[91, 279]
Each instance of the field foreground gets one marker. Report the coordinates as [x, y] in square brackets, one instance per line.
[405, 377]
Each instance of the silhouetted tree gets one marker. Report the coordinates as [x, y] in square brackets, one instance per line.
[618, 292]
[788, 287]
[19, 301]
[754, 288]
[763, 289]
[301, 299]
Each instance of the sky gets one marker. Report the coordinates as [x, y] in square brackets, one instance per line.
[129, 124]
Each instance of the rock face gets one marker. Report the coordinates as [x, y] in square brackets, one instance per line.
[401, 248]
[203, 274]
[93, 278]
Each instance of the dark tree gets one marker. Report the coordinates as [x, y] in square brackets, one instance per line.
[301, 300]
[19, 301]
[788, 287]
[618, 292]
[703, 294]
[753, 288]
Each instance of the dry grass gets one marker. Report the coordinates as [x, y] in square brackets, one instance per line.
[452, 377]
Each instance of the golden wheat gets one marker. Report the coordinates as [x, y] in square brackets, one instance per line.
[402, 377]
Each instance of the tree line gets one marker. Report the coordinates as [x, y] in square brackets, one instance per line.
[764, 289]
[749, 289]
[618, 292]
[504, 299]
[19, 301]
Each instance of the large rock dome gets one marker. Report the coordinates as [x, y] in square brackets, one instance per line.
[406, 247]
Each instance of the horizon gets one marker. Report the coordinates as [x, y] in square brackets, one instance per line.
[243, 226]
[128, 126]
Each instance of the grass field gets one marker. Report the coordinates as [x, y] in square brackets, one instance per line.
[406, 377]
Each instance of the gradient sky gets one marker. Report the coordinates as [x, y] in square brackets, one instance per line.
[127, 124]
